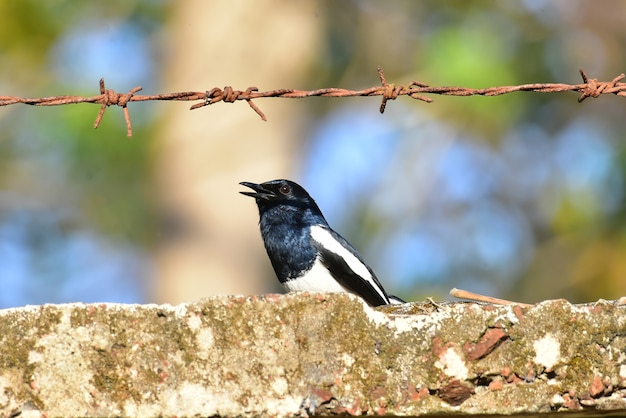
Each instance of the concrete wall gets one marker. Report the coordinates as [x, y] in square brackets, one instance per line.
[303, 354]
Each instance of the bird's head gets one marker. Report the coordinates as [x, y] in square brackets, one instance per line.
[280, 192]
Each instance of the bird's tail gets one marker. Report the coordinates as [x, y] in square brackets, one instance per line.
[394, 300]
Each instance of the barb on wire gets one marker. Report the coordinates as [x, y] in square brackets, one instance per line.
[110, 97]
[590, 87]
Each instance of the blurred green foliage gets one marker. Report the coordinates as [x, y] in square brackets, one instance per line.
[106, 176]
[76, 208]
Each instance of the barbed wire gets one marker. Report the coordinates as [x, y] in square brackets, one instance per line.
[590, 87]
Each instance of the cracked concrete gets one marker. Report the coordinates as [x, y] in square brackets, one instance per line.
[302, 354]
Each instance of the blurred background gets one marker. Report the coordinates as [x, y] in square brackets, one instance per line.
[519, 196]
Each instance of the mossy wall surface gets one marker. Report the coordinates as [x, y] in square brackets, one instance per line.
[305, 354]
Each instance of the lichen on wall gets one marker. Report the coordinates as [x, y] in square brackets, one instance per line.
[302, 354]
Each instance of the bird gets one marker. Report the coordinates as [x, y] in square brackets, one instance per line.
[305, 252]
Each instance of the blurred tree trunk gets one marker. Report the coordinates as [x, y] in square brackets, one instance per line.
[212, 244]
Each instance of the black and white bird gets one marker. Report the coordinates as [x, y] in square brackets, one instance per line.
[305, 252]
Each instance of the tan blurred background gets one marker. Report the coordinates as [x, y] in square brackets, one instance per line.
[204, 155]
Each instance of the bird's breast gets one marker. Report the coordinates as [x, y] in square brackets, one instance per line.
[289, 249]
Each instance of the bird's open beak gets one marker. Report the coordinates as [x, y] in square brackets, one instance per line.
[259, 191]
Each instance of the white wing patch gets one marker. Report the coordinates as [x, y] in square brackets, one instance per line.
[326, 240]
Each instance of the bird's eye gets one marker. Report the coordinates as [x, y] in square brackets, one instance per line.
[285, 189]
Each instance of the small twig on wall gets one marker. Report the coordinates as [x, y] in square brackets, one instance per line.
[467, 295]
[590, 87]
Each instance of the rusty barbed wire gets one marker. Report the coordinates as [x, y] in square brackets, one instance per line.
[590, 87]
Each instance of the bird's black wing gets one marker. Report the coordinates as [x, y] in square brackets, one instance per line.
[346, 266]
